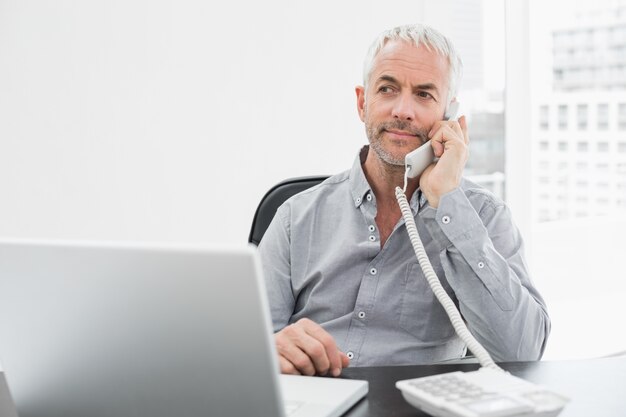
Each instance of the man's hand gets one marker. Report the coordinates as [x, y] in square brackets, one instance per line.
[450, 141]
[305, 348]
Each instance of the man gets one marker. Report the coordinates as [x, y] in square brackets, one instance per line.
[343, 282]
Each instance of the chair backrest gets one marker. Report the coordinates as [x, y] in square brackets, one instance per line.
[276, 196]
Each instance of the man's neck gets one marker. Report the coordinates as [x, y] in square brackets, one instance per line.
[384, 178]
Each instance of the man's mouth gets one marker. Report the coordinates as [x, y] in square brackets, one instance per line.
[401, 133]
[406, 136]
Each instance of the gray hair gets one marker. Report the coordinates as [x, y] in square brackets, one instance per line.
[418, 34]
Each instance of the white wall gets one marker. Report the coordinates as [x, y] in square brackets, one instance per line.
[168, 120]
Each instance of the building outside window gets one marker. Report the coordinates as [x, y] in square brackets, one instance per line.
[581, 116]
[544, 117]
[603, 116]
[621, 112]
[562, 114]
[578, 56]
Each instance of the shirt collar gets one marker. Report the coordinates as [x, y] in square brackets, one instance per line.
[359, 187]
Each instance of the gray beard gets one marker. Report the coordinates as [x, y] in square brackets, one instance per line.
[374, 135]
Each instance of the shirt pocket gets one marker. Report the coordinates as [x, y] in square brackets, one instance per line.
[421, 314]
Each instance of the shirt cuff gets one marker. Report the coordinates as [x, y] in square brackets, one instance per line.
[455, 219]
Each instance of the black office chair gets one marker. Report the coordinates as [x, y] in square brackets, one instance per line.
[276, 196]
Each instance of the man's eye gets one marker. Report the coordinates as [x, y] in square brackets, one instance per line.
[424, 94]
[385, 89]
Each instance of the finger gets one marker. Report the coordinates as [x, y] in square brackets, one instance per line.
[451, 136]
[304, 338]
[444, 139]
[299, 359]
[437, 146]
[434, 128]
[286, 367]
[448, 130]
[289, 344]
[448, 135]
[345, 360]
[463, 125]
[435, 138]
[316, 352]
[457, 129]
[439, 124]
[330, 351]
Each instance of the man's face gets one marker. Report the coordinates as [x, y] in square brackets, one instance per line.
[406, 94]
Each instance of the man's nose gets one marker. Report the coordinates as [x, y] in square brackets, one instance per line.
[404, 108]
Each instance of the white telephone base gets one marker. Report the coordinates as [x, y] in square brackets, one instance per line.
[482, 393]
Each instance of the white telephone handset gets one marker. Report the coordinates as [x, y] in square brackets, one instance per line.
[418, 160]
[489, 391]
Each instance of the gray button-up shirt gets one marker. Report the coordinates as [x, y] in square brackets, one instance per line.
[322, 259]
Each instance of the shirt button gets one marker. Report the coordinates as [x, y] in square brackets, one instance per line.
[445, 219]
[371, 228]
[373, 271]
[481, 265]
[350, 355]
[372, 238]
[361, 314]
[358, 200]
[369, 197]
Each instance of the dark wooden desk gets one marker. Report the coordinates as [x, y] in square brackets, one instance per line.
[596, 387]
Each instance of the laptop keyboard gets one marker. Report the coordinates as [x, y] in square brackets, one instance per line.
[292, 406]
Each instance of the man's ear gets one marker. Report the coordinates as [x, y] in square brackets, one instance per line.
[360, 101]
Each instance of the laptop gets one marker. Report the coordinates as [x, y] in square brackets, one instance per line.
[145, 330]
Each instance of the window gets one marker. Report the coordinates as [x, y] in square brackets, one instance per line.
[562, 117]
[544, 117]
[621, 114]
[581, 116]
[578, 73]
[603, 116]
[544, 145]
